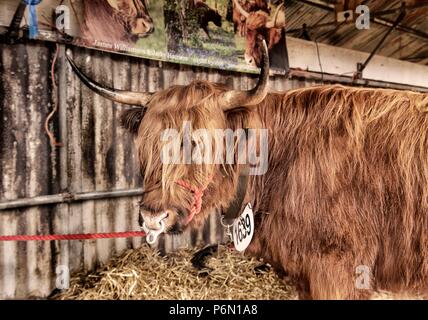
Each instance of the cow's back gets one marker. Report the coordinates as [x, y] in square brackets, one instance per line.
[347, 183]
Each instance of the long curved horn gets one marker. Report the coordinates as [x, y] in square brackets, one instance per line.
[240, 9]
[237, 98]
[121, 96]
[275, 22]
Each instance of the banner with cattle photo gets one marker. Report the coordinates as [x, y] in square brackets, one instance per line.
[212, 33]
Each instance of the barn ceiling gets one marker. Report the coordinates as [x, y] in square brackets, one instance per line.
[408, 41]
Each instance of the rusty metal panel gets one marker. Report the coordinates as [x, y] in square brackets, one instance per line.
[97, 155]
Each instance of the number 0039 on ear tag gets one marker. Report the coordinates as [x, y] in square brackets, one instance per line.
[243, 229]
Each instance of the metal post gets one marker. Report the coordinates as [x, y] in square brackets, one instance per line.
[66, 198]
[362, 66]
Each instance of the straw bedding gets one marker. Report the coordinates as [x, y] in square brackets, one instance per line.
[144, 274]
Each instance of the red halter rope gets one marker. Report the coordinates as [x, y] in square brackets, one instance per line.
[198, 193]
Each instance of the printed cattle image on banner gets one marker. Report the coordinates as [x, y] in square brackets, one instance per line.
[211, 33]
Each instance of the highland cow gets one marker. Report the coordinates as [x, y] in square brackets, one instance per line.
[239, 25]
[126, 22]
[258, 26]
[346, 188]
[205, 15]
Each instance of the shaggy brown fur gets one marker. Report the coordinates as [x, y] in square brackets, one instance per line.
[347, 186]
[347, 183]
[127, 23]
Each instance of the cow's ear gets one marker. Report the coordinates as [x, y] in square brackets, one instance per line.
[131, 119]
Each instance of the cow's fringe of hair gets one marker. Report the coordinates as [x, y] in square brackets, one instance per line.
[195, 103]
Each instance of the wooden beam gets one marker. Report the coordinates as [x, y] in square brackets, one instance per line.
[331, 78]
[303, 55]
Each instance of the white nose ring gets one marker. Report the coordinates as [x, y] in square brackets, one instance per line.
[152, 235]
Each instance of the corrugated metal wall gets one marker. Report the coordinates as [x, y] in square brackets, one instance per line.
[97, 155]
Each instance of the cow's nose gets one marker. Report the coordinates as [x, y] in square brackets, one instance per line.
[153, 225]
[250, 60]
[153, 222]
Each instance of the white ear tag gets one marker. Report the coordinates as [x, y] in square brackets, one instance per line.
[243, 229]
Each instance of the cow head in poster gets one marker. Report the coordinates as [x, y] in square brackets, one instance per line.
[119, 21]
[259, 25]
[238, 18]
